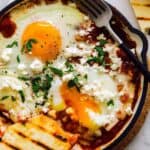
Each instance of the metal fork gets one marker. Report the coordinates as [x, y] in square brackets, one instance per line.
[101, 13]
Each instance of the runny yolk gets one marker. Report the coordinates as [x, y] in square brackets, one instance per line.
[47, 37]
[80, 103]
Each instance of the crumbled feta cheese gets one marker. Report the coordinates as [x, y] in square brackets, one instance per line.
[37, 66]
[22, 69]
[101, 119]
[86, 18]
[6, 55]
[81, 69]
[68, 77]
[109, 47]
[101, 36]
[102, 69]
[82, 32]
[116, 63]
[10, 82]
[74, 51]
[45, 109]
[89, 29]
[83, 60]
[113, 73]
[96, 90]
[128, 110]
[82, 45]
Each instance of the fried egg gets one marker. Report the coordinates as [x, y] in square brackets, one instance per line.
[52, 27]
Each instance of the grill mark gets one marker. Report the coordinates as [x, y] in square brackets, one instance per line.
[138, 4]
[142, 18]
[42, 145]
[59, 137]
[10, 146]
[32, 140]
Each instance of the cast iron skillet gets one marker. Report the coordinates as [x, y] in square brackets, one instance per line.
[143, 54]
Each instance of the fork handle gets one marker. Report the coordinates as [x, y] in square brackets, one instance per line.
[136, 61]
[130, 54]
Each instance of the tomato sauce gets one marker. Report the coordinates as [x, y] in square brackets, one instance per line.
[7, 27]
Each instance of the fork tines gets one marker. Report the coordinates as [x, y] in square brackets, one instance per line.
[94, 8]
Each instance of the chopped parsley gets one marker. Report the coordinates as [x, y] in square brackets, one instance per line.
[69, 67]
[86, 77]
[24, 78]
[4, 98]
[100, 58]
[36, 84]
[22, 95]
[27, 47]
[57, 71]
[41, 84]
[103, 42]
[13, 44]
[100, 51]
[110, 103]
[74, 83]
[13, 98]
[18, 59]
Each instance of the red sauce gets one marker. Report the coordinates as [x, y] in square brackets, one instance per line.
[7, 26]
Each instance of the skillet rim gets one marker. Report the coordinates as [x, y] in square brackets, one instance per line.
[144, 40]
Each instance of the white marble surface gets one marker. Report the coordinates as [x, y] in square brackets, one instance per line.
[142, 140]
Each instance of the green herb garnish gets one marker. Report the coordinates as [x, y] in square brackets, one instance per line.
[69, 67]
[42, 84]
[102, 42]
[99, 60]
[4, 98]
[36, 84]
[22, 95]
[57, 71]
[18, 58]
[24, 78]
[86, 77]
[110, 103]
[13, 44]
[27, 47]
[13, 98]
[74, 83]
[100, 51]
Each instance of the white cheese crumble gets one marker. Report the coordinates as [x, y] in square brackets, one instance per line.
[74, 51]
[22, 69]
[6, 55]
[110, 47]
[86, 18]
[116, 63]
[68, 77]
[101, 36]
[82, 32]
[101, 119]
[37, 66]
[128, 110]
[10, 82]
[82, 70]
[96, 90]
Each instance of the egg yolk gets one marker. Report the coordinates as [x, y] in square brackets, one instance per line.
[44, 40]
[80, 103]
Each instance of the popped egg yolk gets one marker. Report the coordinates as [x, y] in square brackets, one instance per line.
[80, 103]
[47, 37]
